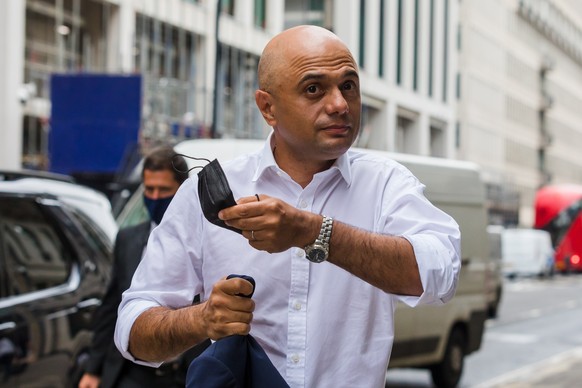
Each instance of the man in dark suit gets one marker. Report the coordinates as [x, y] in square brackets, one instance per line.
[163, 173]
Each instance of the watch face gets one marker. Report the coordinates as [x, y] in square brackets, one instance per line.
[317, 255]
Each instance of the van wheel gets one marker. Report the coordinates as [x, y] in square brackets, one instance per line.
[447, 374]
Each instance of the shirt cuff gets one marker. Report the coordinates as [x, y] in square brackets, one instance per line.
[126, 317]
[438, 267]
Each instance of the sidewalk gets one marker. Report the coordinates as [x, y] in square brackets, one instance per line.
[562, 370]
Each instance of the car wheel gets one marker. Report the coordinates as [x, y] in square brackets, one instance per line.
[447, 373]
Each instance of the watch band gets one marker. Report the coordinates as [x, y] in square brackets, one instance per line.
[318, 251]
[325, 231]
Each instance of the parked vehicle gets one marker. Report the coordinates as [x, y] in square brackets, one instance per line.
[559, 211]
[439, 337]
[55, 254]
[433, 337]
[527, 252]
[494, 271]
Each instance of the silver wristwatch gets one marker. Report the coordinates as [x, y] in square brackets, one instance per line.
[319, 250]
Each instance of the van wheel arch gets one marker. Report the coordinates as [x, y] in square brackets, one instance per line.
[447, 373]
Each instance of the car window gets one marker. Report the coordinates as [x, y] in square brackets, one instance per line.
[95, 236]
[134, 211]
[35, 256]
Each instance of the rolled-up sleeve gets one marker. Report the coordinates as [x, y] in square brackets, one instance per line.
[166, 275]
[433, 234]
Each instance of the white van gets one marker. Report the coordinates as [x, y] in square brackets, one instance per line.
[495, 272]
[527, 252]
[435, 337]
[439, 337]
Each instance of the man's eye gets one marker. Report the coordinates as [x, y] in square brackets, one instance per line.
[349, 86]
[312, 89]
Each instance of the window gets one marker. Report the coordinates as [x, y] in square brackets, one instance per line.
[315, 12]
[362, 51]
[381, 40]
[446, 51]
[260, 13]
[227, 6]
[430, 48]
[237, 115]
[416, 44]
[96, 238]
[35, 255]
[399, 42]
[406, 139]
[437, 141]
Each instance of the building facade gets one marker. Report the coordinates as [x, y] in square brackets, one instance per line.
[519, 98]
[495, 82]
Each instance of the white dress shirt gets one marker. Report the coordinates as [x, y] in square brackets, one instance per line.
[320, 325]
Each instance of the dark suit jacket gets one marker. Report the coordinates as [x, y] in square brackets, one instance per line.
[234, 362]
[105, 359]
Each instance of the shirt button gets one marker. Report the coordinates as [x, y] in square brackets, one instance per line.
[299, 252]
[302, 204]
[297, 306]
[295, 358]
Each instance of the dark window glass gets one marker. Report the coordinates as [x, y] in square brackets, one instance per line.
[399, 42]
[362, 52]
[95, 237]
[430, 48]
[416, 48]
[35, 255]
[381, 42]
[446, 51]
[260, 13]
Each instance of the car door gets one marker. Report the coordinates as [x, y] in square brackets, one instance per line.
[45, 310]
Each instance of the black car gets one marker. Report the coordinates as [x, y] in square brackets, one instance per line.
[54, 266]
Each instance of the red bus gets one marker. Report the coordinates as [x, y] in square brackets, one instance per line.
[558, 209]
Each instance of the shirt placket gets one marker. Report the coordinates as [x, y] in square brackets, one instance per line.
[297, 309]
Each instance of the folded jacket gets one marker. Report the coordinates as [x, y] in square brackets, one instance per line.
[234, 362]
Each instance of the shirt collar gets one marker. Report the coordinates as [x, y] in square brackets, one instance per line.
[267, 161]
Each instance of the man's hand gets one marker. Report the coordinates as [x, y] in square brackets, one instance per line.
[271, 224]
[89, 381]
[227, 311]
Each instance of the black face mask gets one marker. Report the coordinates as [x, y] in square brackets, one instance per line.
[215, 193]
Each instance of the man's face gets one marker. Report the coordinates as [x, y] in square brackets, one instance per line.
[159, 184]
[316, 104]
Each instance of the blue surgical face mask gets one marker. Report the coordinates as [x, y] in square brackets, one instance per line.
[157, 207]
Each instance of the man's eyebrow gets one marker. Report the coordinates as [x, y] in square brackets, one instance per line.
[311, 77]
[318, 76]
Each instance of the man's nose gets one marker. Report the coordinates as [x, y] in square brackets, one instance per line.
[337, 103]
[155, 194]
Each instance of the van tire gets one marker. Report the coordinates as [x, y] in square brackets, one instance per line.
[447, 373]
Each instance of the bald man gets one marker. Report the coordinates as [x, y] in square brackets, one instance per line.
[334, 238]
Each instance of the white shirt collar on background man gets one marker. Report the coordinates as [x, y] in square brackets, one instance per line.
[320, 325]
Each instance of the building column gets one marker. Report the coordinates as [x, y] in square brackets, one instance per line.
[12, 35]
[126, 36]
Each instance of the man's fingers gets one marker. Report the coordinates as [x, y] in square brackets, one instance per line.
[245, 207]
[236, 286]
[253, 198]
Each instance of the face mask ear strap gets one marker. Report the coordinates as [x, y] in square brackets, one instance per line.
[189, 157]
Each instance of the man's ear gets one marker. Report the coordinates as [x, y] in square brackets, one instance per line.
[264, 102]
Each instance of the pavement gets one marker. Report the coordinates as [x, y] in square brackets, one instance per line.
[563, 370]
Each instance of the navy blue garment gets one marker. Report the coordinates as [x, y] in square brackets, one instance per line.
[237, 361]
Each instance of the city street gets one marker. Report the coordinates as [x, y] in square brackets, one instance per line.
[536, 332]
